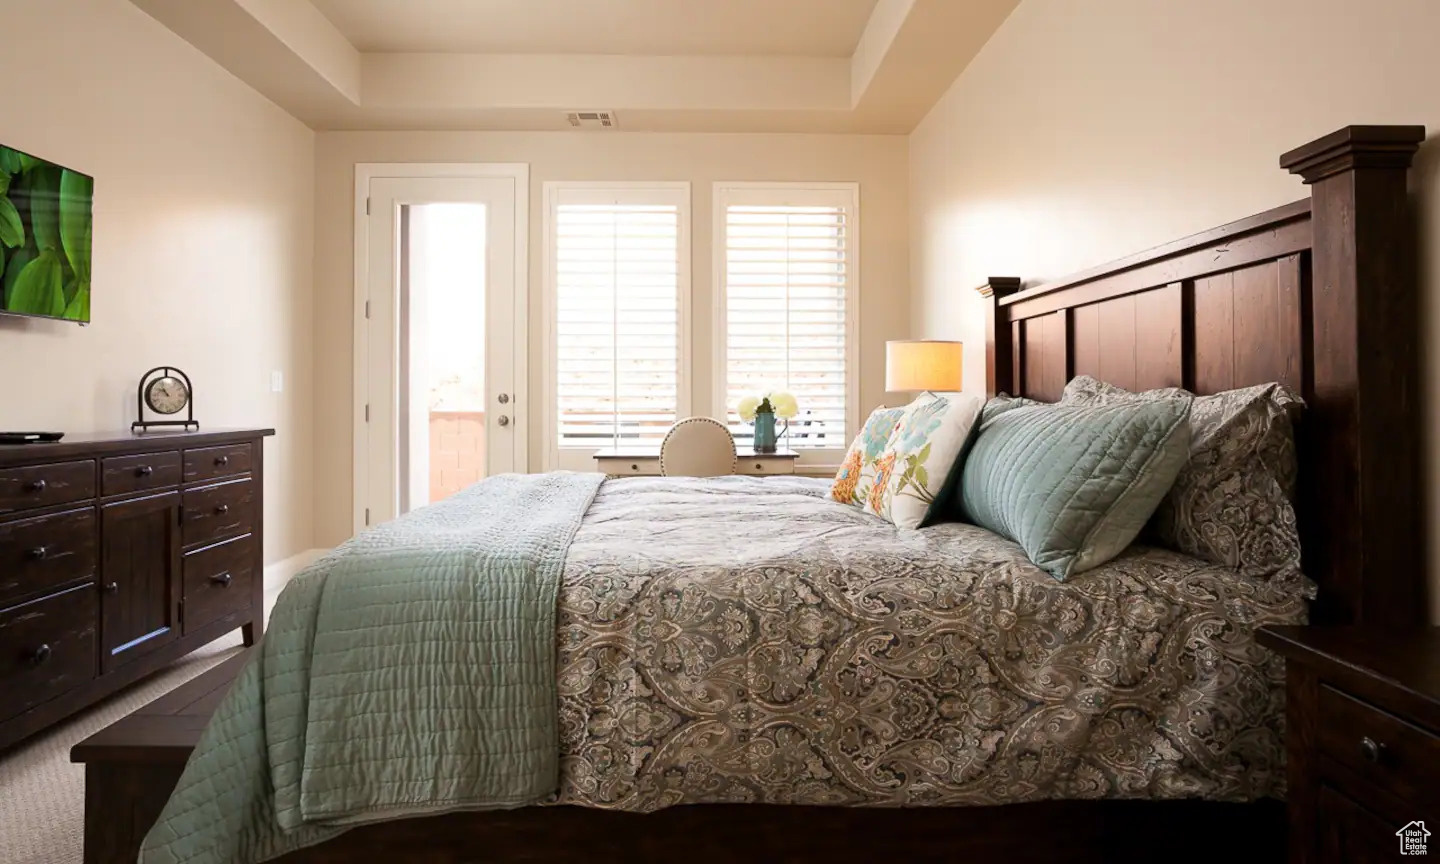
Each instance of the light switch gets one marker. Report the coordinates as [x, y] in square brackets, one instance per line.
[277, 381]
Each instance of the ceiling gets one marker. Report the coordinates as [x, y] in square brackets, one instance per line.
[812, 28]
[661, 65]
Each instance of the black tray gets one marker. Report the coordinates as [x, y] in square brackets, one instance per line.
[30, 437]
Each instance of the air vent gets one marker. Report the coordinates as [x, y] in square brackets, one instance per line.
[592, 119]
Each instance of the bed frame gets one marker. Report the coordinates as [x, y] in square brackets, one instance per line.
[1320, 295]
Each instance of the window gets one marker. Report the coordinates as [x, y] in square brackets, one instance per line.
[617, 285]
[786, 277]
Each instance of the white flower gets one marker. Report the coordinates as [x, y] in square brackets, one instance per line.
[784, 404]
[747, 407]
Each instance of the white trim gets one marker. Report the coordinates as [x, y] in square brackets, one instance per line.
[278, 574]
[553, 189]
[365, 172]
[726, 192]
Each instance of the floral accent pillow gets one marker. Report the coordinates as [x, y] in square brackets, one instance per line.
[919, 455]
[1233, 502]
[856, 477]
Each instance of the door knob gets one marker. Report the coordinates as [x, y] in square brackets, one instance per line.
[503, 420]
[503, 398]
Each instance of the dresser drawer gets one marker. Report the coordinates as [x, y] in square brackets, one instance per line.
[219, 512]
[47, 647]
[1352, 834]
[122, 474]
[761, 465]
[645, 466]
[46, 485]
[1380, 747]
[207, 463]
[39, 555]
[218, 580]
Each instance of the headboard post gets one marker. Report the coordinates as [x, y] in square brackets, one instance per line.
[999, 343]
[1363, 420]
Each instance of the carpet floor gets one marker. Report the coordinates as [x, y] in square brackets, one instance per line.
[42, 794]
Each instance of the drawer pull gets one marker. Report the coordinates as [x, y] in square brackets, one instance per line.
[37, 554]
[634, 467]
[222, 509]
[759, 467]
[36, 486]
[1371, 750]
[222, 579]
[222, 461]
[40, 655]
[144, 471]
[112, 587]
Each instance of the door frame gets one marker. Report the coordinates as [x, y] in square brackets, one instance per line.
[519, 173]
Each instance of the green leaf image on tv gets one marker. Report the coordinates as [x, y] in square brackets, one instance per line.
[46, 213]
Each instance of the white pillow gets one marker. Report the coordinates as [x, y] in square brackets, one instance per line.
[919, 455]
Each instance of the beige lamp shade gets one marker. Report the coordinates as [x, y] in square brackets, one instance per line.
[923, 364]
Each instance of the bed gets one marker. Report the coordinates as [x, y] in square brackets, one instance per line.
[762, 644]
[832, 660]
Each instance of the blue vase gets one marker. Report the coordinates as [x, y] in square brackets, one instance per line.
[765, 432]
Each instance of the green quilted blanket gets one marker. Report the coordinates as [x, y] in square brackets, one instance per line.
[409, 672]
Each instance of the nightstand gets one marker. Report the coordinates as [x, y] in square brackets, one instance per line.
[645, 462]
[1362, 740]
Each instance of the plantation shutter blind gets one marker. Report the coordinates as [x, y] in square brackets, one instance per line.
[789, 288]
[617, 283]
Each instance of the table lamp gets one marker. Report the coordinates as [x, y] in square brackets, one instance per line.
[925, 365]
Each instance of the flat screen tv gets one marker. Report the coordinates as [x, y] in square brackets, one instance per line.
[45, 219]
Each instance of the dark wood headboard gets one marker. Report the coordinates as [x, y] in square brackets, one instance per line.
[1320, 295]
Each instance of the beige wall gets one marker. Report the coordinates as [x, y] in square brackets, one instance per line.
[203, 237]
[1085, 131]
[878, 163]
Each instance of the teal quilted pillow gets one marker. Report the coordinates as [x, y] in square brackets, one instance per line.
[1073, 484]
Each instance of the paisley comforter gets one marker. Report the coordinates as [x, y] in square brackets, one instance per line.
[748, 640]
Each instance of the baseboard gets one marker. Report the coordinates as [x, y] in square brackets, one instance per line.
[277, 574]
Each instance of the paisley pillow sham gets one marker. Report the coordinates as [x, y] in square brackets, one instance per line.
[856, 477]
[1232, 503]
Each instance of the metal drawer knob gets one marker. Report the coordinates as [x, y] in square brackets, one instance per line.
[144, 471]
[503, 420]
[35, 486]
[40, 655]
[634, 467]
[1371, 749]
[759, 467]
[221, 578]
[112, 587]
[38, 553]
[222, 461]
[222, 509]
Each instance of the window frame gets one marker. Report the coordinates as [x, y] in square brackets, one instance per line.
[558, 192]
[798, 194]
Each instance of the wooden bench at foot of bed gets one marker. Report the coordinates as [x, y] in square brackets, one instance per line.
[132, 765]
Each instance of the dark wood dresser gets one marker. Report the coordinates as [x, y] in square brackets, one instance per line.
[1363, 740]
[118, 554]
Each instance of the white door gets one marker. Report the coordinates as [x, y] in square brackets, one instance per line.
[443, 356]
